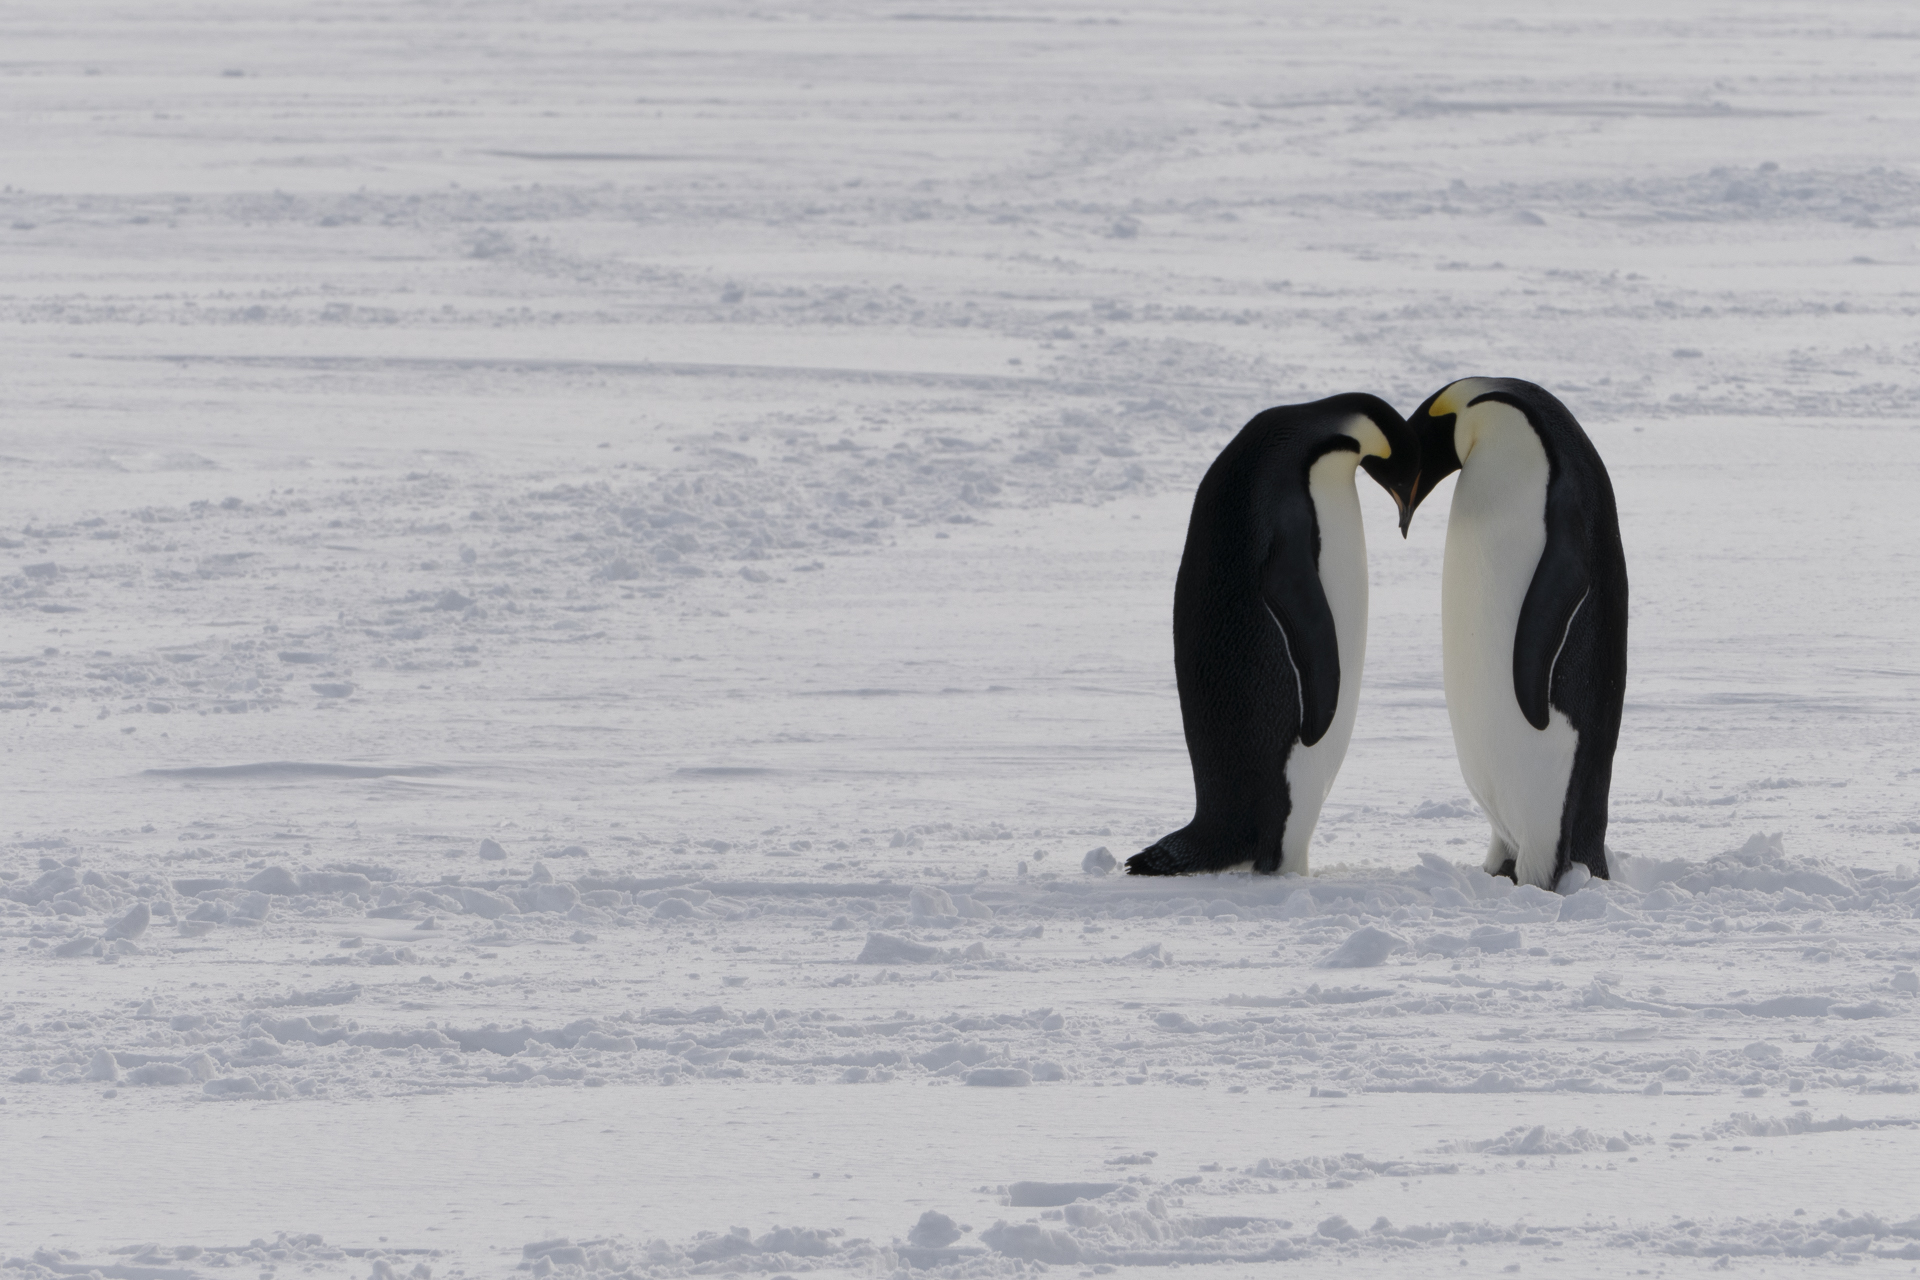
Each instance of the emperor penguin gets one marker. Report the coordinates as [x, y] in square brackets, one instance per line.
[1533, 619]
[1270, 629]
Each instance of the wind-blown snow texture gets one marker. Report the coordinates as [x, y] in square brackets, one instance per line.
[584, 607]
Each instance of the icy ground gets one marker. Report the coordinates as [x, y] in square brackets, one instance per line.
[734, 461]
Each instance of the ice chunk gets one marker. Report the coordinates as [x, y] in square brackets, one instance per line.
[478, 902]
[275, 880]
[193, 886]
[132, 924]
[103, 1067]
[935, 1230]
[1051, 1195]
[57, 880]
[159, 1073]
[559, 898]
[491, 852]
[81, 946]
[929, 903]
[945, 1055]
[884, 948]
[1031, 1242]
[232, 1087]
[1584, 904]
[1491, 938]
[1575, 879]
[1000, 1077]
[1099, 862]
[335, 882]
[1906, 980]
[1364, 948]
[304, 999]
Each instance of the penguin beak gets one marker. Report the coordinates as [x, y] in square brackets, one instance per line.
[1437, 462]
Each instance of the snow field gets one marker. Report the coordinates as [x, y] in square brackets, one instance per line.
[579, 590]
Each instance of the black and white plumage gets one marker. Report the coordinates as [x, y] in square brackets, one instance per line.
[1533, 619]
[1270, 629]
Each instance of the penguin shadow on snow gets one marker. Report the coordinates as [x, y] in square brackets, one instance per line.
[1270, 614]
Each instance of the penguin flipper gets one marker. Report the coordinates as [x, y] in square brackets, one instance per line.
[1290, 585]
[1559, 587]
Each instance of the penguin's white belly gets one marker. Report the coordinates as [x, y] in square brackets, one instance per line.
[1343, 576]
[1495, 535]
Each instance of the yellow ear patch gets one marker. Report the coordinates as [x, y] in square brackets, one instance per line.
[1456, 397]
[1367, 434]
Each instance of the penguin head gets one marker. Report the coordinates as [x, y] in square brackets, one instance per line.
[1387, 446]
[1433, 423]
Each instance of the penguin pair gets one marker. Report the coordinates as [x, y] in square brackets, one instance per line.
[1270, 624]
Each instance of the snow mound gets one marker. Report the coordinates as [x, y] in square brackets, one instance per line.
[1538, 1140]
[1343, 1169]
[1364, 948]
[1745, 1124]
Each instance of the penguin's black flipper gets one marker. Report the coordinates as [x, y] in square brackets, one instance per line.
[1560, 584]
[1290, 585]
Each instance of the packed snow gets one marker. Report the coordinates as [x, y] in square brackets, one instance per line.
[584, 630]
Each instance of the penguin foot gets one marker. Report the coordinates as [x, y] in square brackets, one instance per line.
[1181, 853]
[1507, 870]
[1157, 860]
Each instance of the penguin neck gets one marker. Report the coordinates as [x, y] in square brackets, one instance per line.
[1343, 575]
[1331, 470]
[1343, 554]
[1494, 432]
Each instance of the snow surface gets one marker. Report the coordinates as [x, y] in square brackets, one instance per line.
[582, 588]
